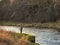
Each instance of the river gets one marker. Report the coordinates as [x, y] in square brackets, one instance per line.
[42, 36]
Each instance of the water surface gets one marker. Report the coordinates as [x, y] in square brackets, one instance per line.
[43, 36]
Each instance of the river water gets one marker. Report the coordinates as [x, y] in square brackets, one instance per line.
[42, 36]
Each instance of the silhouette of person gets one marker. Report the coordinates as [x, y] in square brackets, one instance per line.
[21, 29]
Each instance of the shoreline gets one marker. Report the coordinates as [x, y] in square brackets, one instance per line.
[49, 25]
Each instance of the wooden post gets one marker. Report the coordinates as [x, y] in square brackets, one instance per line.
[21, 29]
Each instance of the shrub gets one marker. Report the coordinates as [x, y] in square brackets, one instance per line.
[31, 39]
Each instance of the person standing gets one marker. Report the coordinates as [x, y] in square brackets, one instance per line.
[21, 29]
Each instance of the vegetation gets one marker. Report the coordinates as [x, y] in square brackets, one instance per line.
[55, 25]
[29, 10]
[30, 13]
[12, 38]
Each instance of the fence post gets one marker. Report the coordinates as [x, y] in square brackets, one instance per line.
[21, 29]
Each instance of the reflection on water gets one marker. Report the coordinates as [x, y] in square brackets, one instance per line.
[43, 36]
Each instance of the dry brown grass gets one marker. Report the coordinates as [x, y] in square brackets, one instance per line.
[5, 35]
[10, 38]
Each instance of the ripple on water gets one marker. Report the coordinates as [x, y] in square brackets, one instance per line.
[43, 36]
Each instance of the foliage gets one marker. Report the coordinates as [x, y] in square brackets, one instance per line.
[29, 11]
[31, 38]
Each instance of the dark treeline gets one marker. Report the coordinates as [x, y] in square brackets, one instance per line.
[29, 11]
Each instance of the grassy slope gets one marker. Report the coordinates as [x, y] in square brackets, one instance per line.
[12, 38]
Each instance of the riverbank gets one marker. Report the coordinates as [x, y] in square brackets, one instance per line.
[12, 38]
[54, 25]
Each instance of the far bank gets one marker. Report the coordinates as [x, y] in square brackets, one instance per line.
[54, 25]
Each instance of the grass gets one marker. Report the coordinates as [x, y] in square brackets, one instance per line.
[36, 25]
[12, 38]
